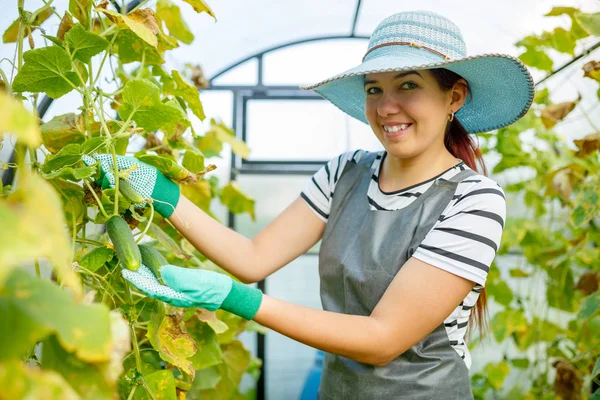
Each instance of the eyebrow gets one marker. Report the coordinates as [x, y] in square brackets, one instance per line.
[400, 75]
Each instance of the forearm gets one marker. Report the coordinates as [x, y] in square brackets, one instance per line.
[351, 336]
[231, 251]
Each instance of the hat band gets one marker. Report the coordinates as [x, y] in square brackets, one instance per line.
[412, 44]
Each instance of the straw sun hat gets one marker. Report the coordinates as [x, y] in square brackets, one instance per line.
[502, 87]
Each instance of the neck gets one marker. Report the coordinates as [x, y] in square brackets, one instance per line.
[399, 173]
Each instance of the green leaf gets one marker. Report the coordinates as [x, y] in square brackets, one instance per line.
[518, 273]
[189, 93]
[162, 385]
[141, 102]
[537, 59]
[199, 193]
[171, 15]
[236, 360]
[562, 41]
[167, 241]
[16, 119]
[63, 130]
[556, 11]
[522, 363]
[97, 258]
[590, 22]
[506, 322]
[81, 10]
[207, 378]
[66, 157]
[173, 344]
[193, 161]
[209, 351]
[209, 144]
[47, 70]
[34, 213]
[30, 307]
[596, 370]
[87, 379]
[72, 174]
[501, 292]
[590, 306]
[131, 48]
[201, 6]
[72, 198]
[19, 381]
[226, 135]
[169, 168]
[83, 44]
[497, 373]
[236, 201]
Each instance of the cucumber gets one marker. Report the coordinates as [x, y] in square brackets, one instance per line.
[124, 243]
[152, 259]
[129, 192]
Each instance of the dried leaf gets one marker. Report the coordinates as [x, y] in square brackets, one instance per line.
[557, 112]
[199, 79]
[592, 70]
[588, 283]
[588, 144]
[568, 382]
[66, 23]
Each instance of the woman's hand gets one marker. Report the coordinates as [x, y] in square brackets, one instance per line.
[146, 180]
[187, 287]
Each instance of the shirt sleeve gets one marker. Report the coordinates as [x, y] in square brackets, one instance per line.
[317, 192]
[466, 237]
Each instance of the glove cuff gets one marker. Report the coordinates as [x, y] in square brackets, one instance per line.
[167, 191]
[242, 300]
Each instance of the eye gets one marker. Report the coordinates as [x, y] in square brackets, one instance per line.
[369, 90]
[407, 85]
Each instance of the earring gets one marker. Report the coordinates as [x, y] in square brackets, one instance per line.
[451, 117]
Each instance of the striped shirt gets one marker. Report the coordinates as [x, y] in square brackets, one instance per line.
[463, 241]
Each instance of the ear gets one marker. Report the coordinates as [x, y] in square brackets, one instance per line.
[458, 94]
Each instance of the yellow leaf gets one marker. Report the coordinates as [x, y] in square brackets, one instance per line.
[35, 216]
[201, 6]
[142, 22]
[16, 119]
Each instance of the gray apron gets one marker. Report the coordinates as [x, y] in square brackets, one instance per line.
[361, 252]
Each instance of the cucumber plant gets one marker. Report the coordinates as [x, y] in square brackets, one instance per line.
[85, 333]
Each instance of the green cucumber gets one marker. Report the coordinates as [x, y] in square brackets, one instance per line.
[124, 243]
[129, 192]
[152, 259]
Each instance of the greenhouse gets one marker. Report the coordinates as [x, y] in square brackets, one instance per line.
[307, 200]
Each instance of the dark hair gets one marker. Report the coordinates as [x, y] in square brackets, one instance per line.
[460, 144]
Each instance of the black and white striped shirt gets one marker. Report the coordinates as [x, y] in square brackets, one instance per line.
[463, 241]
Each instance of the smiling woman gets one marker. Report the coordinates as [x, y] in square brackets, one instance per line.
[407, 234]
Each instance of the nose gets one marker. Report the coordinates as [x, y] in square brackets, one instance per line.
[388, 104]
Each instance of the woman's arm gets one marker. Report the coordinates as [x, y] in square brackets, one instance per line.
[417, 301]
[291, 234]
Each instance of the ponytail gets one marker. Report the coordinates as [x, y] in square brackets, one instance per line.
[460, 144]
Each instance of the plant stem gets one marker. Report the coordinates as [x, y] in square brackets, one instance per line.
[97, 199]
[21, 5]
[130, 397]
[36, 261]
[88, 241]
[148, 224]
[106, 53]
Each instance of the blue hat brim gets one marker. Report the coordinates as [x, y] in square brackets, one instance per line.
[502, 88]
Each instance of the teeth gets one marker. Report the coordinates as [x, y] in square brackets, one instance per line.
[394, 129]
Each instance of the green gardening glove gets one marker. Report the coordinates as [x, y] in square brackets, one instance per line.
[146, 180]
[190, 287]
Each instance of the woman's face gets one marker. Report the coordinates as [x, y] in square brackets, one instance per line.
[408, 111]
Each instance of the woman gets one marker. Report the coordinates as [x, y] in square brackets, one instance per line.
[408, 234]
